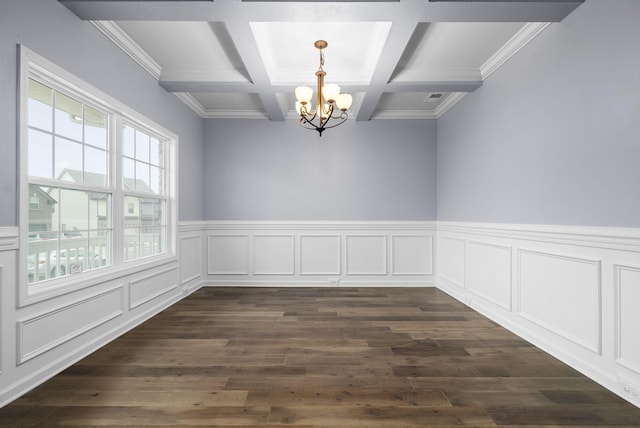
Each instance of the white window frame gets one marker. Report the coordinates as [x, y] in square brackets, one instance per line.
[33, 65]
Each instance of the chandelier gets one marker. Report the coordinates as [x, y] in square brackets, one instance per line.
[331, 105]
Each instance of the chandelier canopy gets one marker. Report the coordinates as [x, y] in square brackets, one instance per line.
[331, 106]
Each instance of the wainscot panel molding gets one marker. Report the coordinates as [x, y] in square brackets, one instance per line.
[71, 320]
[572, 291]
[40, 339]
[278, 253]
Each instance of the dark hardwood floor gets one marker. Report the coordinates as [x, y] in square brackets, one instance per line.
[319, 357]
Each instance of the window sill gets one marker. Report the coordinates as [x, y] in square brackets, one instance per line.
[45, 290]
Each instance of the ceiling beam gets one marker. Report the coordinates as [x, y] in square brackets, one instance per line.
[240, 33]
[422, 10]
[397, 40]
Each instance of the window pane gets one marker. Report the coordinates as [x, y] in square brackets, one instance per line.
[68, 122]
[74, 210]
[146, 241]
[156, 179]
[40, 148]
[40, 106]
[129, 174]
[54, 192]
[131, 243]
[158, 240]
[99, 211]
[41, 211]
[142, 177]
[131, 211]
[68, 160]
[41, 260]
[74, 257]
[129, 142]
[95, 128]
[155, 212]
[155, 152]
[95, 166]
[100, 249]
[142, 146]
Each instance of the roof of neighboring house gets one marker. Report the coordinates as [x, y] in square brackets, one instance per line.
[95, 179]
[38, 189]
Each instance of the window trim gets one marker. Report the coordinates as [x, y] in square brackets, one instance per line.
[34, 65]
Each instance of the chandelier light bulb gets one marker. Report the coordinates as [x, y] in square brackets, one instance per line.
[304, 94]
[331, 91]
[344, 101]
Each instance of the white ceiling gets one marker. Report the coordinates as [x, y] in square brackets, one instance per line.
[243, 58]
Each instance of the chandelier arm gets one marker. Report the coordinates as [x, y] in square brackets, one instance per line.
[307, 113]
[307, 123]
[343, 118]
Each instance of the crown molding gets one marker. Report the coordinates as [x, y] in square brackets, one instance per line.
[438, 75]
[448, 102]
[405, 114]
[204, 113]
[131, 48]
[235, 114]
[190, 101]
[517, 42]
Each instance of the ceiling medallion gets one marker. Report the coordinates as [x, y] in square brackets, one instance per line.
[329, 100]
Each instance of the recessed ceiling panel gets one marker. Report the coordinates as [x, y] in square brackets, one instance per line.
[191, 51]
[454, 50]
[417, 105]
[290, 57]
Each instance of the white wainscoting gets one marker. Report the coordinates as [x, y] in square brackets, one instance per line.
[572, 291]
[46, 335]
[488, 272]
[320, 253]
[190, 259]
[35, 337]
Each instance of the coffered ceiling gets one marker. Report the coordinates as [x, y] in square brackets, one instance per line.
[244, 58]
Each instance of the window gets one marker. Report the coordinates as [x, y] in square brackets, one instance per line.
[142, 186]
[67, 164]
[97, 188]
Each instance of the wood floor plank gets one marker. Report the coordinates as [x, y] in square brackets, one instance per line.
[317, 358]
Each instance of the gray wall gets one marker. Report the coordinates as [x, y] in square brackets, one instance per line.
[377, 170]
[552, 137]
[52, 31]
